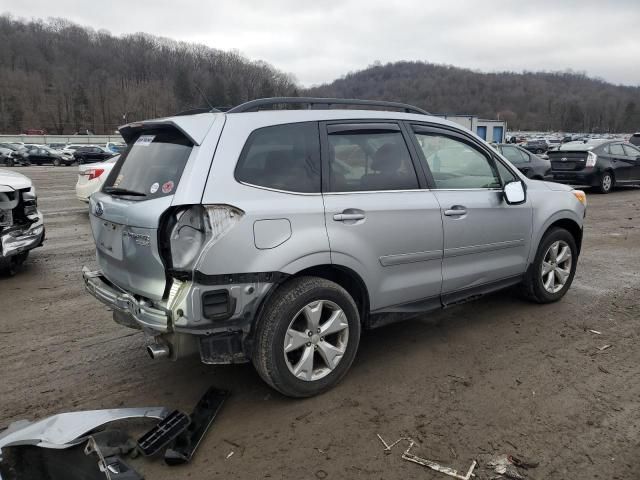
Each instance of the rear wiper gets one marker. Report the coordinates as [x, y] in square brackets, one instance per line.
[123, 191]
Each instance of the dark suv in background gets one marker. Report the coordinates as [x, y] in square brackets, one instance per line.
[596, 163]
[91, 154]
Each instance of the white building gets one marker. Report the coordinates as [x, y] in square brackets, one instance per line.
[489, 130]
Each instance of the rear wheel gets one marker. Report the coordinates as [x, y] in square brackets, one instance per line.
[607, 182]
[307, 337]
[553, 269]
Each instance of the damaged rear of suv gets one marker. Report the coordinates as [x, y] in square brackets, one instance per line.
[21, 224]
[276, 236]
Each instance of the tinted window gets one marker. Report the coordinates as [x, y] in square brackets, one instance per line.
[630, 151]
[455, 164]
[514, 155]
[152, 165]
[369, 160]
[616, 149]
[284, 157]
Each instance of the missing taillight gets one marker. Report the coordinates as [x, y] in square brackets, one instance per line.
[191, 229]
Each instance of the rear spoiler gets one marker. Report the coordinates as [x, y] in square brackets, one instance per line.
[194, 127]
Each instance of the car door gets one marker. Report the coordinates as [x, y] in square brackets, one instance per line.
[621, 164]
[381, 220]
[486, 241]
[633, 157]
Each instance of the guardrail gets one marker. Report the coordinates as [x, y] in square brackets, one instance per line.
[74, 139]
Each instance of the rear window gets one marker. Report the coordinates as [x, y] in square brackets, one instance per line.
[282, 157]
[152, 164]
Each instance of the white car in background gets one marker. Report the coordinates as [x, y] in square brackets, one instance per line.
[91, 177]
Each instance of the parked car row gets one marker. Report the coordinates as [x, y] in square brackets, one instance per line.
[18, 154]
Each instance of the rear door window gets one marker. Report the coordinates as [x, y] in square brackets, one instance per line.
[368, 158]
[282, 157]
[152, 164]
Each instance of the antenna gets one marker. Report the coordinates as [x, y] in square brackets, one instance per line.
[203, 96]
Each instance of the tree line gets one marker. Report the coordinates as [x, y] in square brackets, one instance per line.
[64, 78]
[540, 101]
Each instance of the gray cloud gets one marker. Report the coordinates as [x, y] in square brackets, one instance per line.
[320, 41]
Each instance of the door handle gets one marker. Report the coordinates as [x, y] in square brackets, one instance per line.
[455, 211]
[341, 217]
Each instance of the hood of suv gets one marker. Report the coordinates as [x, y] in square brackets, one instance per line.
[15, 180]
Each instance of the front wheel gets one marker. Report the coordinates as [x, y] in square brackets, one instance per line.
[606, 182]
[307, 337]
[56, 162]
[552, 271]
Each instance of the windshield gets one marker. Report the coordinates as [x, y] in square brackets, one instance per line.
[152, 164]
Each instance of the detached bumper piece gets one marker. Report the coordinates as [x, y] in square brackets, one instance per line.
[164, 433]
[201, 419]
[65, 446]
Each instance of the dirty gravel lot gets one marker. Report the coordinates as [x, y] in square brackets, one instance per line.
[497, 375]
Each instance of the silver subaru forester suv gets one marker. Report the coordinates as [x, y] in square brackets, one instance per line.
[274, 234]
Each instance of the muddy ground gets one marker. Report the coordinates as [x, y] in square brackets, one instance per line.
[497, 375]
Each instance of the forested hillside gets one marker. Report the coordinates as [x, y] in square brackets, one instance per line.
[528, 101]
[61, 77]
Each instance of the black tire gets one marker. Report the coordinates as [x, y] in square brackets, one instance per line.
[10, 162]
[539, 151]
[15, 263]
[56, 162]
[607, 182]
[532, 286]
[80, 161]
[268, 353]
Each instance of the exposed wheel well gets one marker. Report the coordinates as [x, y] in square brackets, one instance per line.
[347, 279]
[572, 227]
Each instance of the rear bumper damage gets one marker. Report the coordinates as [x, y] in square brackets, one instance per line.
[213, 319]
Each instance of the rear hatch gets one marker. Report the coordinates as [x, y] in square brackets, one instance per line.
[126, 213]
[567, 160]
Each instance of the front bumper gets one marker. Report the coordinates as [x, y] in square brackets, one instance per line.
[17, 241]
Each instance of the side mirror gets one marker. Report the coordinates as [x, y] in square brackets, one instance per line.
[514, 193]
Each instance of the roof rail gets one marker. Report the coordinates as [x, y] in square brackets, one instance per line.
[315, 103]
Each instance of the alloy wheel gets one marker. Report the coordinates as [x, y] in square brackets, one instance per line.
[607, 181]
[316, 340]
[556, 266]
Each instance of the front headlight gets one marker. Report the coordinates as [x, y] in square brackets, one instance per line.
[591, 159]
[581, 196]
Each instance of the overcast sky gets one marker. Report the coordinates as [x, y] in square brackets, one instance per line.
[318, 41]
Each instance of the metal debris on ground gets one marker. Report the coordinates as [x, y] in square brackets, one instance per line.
[508, 466]
[604, 347]
[406, 455]
[596, 332]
